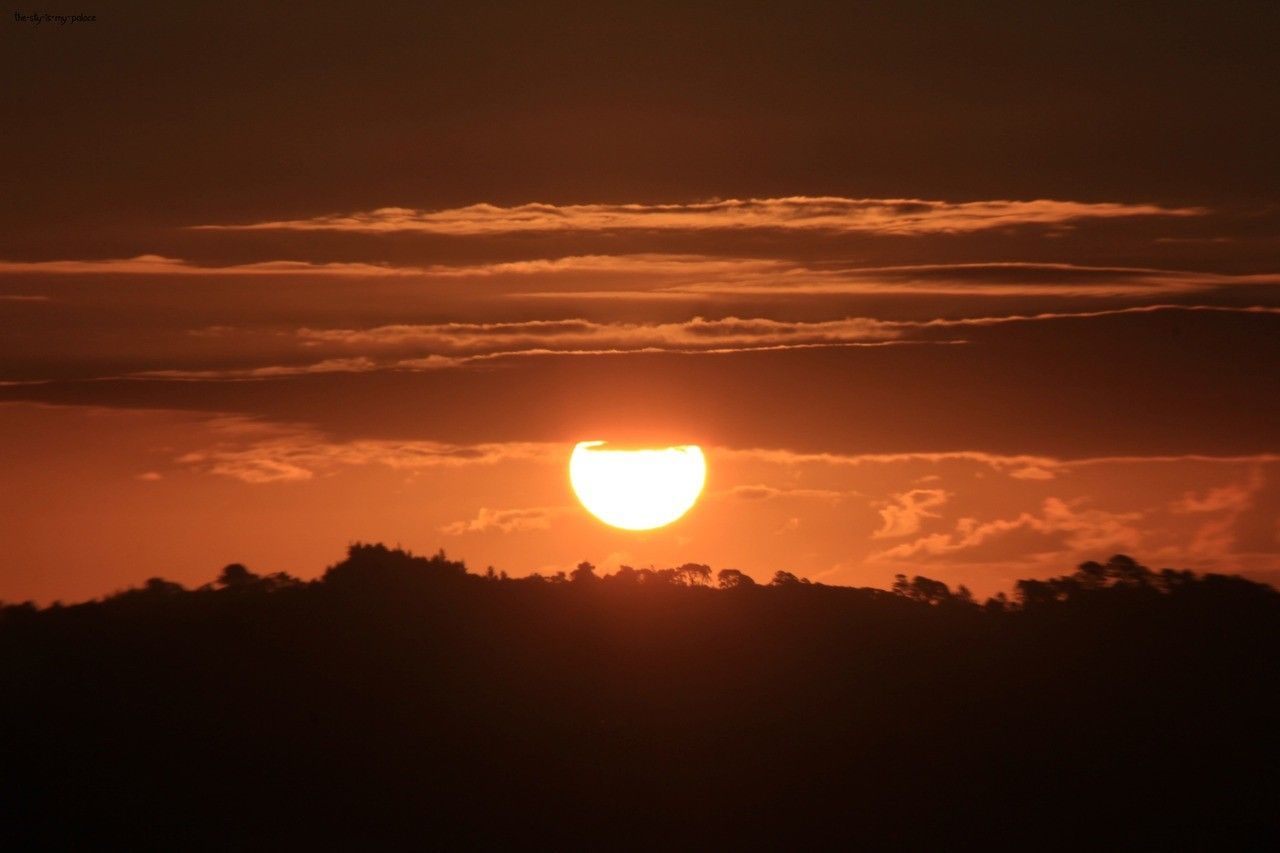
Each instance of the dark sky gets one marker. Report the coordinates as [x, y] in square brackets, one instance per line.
[159, 113]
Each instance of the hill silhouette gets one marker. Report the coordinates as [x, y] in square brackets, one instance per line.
[402, 700]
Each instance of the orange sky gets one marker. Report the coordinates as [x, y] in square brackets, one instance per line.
[975, 296]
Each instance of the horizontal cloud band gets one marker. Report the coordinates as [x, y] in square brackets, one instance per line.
[451, 345]
[812, 213]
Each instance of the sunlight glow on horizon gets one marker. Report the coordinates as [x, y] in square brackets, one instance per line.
[637, 489]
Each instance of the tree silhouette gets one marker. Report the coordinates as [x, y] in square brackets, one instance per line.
[236, 576]
[928, 591]
[734, 579]
[694, 574]
[401, 697]
[584, 573]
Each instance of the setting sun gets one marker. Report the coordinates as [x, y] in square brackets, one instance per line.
[637, 489]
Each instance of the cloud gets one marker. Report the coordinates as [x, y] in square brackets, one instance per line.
[902, 515]
[1060, 527]
[258, 451]
[696, 276]
[440, 346]
[1004, 279]
[823, 213]
[251, 467]
[1086, 315]
[636, 264]
[761, 492]
[505, 520]
[255, 452]
[646, 264]
[1013, 465]
[1233, 497]
[781, 456]
[440, 362]
[699, 276]
[462, 344]
[575, 334]
[1233, 511]
[275, 371]
[160, 265]
[1256, 458]
[1032, 472]
[1256, 527]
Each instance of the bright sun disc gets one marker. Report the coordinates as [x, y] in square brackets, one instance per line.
[637, 489]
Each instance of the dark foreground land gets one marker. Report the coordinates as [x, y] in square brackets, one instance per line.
[401, 700]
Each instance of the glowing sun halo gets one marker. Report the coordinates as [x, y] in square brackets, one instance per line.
[637, 489]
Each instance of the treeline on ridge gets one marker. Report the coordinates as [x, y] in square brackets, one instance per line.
[403, 700]
[374, 565]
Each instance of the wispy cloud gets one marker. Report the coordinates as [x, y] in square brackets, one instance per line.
[646, 264]
[903, 514]
[695, 334]
[255, 452]
[444, 362]
[1233, 497]
[1013, 465]
[822, 213]
[273, 371]
[442, 346]
[506, 520]
[695, 276]
[763, 492]
[993, 279]
[1059, 526]
[160, 265]
[1085, 315]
